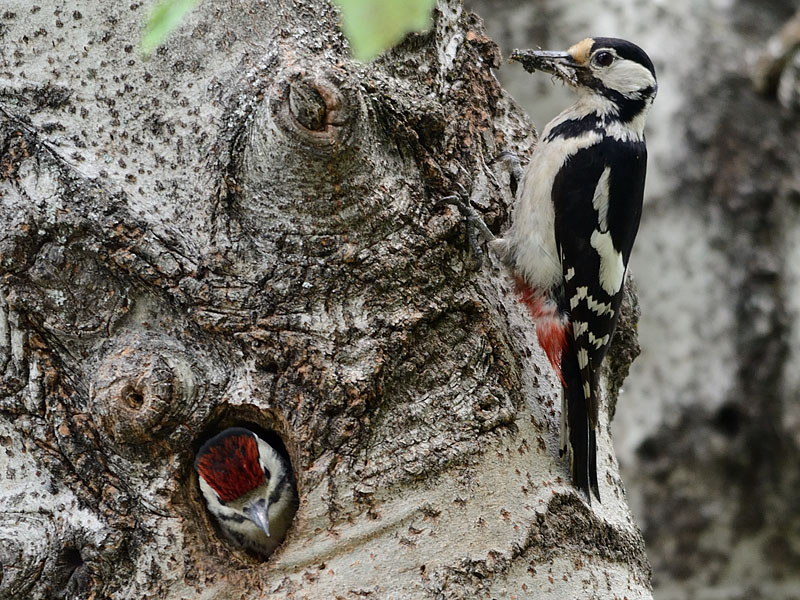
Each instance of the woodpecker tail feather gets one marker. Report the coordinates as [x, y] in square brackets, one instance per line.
[578, 436]
[578, 415]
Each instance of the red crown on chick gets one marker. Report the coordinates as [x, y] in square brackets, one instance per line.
[229, 463]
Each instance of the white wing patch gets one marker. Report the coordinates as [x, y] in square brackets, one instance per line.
[599, 308]
[627, 132]
[579, 328]
[583, 358]
[600, 199]
[580, 293]
[612, 268]
[598, 342]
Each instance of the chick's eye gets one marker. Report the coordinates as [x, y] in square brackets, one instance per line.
[604, 59]
[267, 474]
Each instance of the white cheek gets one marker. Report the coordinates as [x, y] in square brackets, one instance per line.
[625, 76]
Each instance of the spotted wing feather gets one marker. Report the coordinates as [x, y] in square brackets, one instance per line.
[598, 200]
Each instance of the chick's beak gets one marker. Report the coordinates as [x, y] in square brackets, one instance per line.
[561, 64]
[258, 513]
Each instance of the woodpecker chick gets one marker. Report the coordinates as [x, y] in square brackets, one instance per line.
[249, 488]
[575, 219]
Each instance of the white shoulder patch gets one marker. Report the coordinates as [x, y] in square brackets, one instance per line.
[531, 241]
[600, 199]
[612, 268]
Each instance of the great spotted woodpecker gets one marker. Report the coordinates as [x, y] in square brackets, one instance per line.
[576, 216]
[249, 488]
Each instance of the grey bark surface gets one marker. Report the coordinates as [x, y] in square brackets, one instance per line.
[708, 428]
[245, 228]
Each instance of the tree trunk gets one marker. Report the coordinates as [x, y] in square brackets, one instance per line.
[245, 228]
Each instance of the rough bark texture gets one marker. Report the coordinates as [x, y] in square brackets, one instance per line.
[708, 429]
[245, 229]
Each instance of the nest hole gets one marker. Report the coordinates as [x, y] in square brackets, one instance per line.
[268, 427]
[133, 398]
[70, 578]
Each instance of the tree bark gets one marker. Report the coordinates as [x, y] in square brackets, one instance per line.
[246, 228]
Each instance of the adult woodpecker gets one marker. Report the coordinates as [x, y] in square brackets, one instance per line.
[249, 488]
[576, 216]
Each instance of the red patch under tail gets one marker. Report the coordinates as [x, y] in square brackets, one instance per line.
[551, 328]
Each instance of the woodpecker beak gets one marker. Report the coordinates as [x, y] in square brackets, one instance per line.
[258, 513]
[561, 64]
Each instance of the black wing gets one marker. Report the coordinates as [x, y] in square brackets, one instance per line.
[598, 203]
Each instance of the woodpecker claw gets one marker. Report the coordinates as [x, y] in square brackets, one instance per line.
[474, 223]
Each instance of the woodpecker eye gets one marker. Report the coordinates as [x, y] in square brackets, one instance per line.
[267, 474]
[603, 59]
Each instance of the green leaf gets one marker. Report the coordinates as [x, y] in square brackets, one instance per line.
[373, 26]
[164, 18]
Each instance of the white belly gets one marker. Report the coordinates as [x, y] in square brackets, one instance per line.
[530, 242]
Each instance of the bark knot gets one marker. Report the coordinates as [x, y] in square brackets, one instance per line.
[317, 108]
[142, 391]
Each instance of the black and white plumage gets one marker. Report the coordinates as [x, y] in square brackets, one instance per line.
[249, 488]
[576, 216]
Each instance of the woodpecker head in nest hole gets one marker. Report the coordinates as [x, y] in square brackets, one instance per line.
[609, 69]
[249, 488]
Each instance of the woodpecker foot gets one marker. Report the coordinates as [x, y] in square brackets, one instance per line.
[511, 160]
[474, 223]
